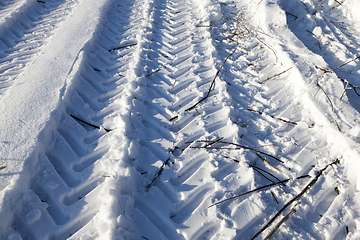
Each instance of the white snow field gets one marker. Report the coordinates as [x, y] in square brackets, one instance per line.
[179, 119]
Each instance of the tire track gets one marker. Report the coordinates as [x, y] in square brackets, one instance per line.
[65, 189]
[178, 58]
[24, 32]
[300, 146]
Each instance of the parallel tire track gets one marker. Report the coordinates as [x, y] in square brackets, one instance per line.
[122, 143]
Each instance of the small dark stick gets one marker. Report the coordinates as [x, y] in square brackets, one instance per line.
[260, 169]
[89, 124]
[211, 143]
[274, 197]
[281, 119]
[125, 46]
[157, 175]
[239, 147]
[332, 106]
[346, 63]
[275, 75]
[315, 38]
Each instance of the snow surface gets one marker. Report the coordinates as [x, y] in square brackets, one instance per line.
[134, 119]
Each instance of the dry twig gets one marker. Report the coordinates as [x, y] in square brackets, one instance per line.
[89, 124]
[125, 46]
[351, 85]
[345, 63]
[281, 119]
[255, 190]
[337, 125]
[275, 75]
[157, 175]
[238, 147]
[213, 81]
[297, 197]
[331, 104]
[319, 6]
[315, 38]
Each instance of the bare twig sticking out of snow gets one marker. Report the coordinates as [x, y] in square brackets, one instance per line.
[3, 167]
[337, 125]
[267, 162]
[125, 46]
[351, 85]
[339, 3]
[274, 197]
[322, 89]
[238, 146]
[319, 6]
[262, 170]
[317, 39]
[281, 119]
[297, 197]
[275, 75]
[213, 81]
[157, 175]
[89, 124]
[345, 63]
[255, 190]
[346, 88]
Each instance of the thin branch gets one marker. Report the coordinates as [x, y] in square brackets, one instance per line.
[267, 162]
[332, 106]
[296, 17]
[209, 144]
[260, 169]
[281, 119]
[255, 190]
[275, 75]
[173, 118]
[315, 38]
[157, 175]
[125, 46]
[351, 85]
[240, 147]
[345, 63]
[319, 6]
[213, 81]
[337, 125]
[274, 197]
[89, 124]
[297, 197]
[152, 72]
[346, 87]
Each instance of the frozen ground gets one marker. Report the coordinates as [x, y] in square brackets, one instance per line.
[179, 119]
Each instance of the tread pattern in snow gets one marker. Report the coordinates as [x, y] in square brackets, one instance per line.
[126, 107]
[25, 32]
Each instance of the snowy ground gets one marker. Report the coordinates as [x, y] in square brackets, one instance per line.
[180, 119]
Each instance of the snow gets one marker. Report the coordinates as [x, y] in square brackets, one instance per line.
[99, 140]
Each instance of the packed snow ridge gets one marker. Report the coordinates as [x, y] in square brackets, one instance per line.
[179, 119]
